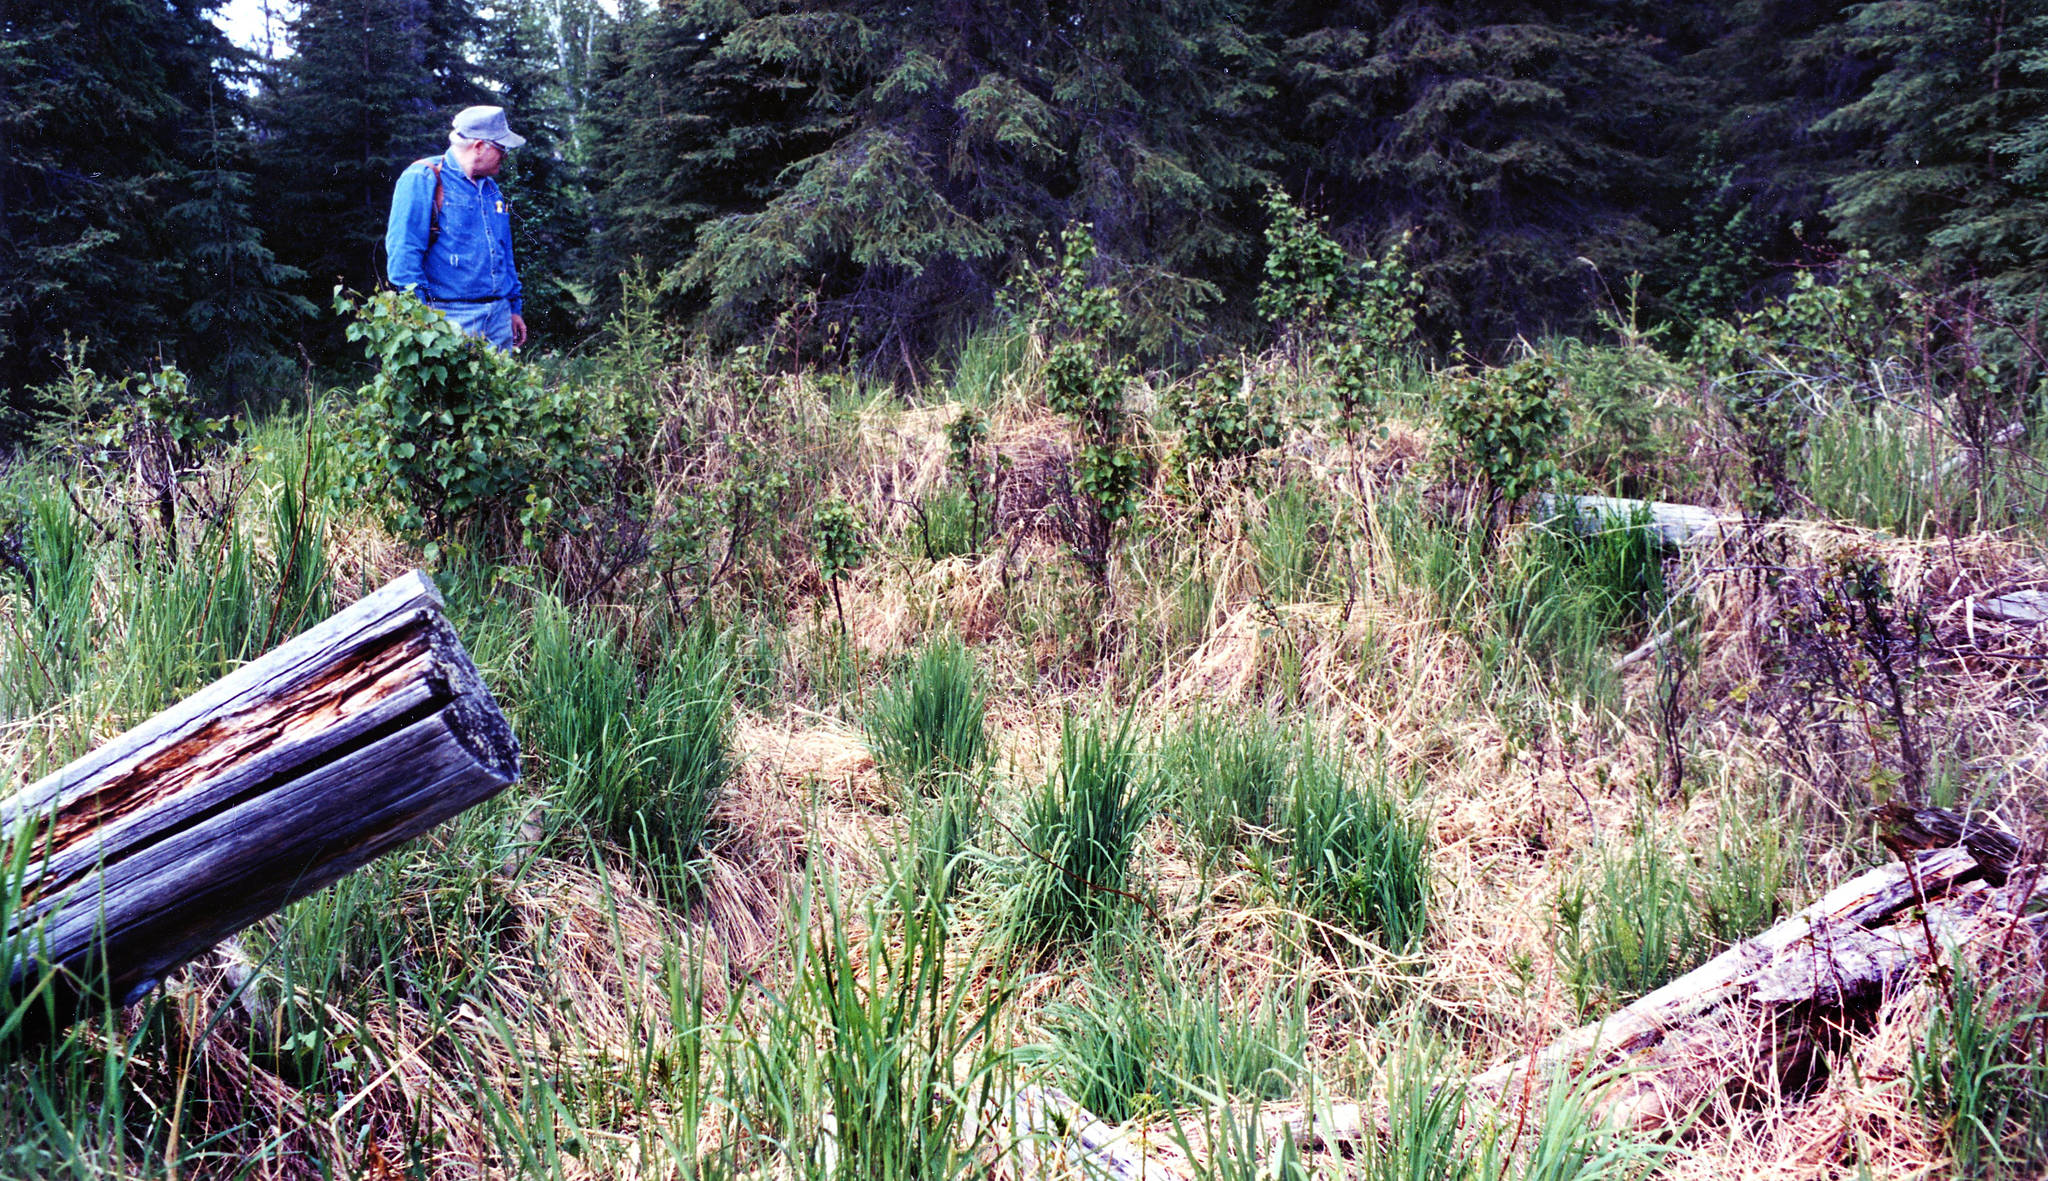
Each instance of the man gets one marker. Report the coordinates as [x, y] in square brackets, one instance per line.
[450, 235]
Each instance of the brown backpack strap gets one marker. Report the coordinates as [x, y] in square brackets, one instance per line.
[433, 164]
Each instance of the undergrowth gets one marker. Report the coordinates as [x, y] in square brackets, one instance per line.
[1207, 750]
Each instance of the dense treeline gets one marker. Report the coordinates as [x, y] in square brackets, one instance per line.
[859, 181]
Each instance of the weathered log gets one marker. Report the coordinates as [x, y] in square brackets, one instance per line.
[1747, 1020]
[2022, 607]
[276, 780]
[1675, 523]
[1860, 902]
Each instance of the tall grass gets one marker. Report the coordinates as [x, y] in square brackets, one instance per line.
[1552, 601]
[1142, 1041]
[1079, 833]
[987, 362]
[1634, 929]
[1980, 1075]
[642, 756]
[46, 648]
[928, 721]
[943, 831]
[1293, 543]
[1224, 776]
[1355, 858]
[878, 1061]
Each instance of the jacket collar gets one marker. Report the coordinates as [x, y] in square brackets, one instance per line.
[451, 166]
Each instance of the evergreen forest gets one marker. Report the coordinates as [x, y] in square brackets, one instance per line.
[1172, 590]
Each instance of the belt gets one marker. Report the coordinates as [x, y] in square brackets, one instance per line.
[478, 299]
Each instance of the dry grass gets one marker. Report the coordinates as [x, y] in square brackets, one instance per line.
[1516, 796]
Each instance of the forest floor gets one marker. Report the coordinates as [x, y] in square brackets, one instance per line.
[1328, 794]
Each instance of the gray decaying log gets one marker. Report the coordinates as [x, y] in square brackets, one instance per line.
[1675, 523]
[1835, 954]
[2022, 607]
[1746, 1020]
[276, 780]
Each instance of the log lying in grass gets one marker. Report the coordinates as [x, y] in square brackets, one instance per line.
[1675, 523]
[1756, 1007]
[1748, 1018]
[2022, 607]
[293, 770]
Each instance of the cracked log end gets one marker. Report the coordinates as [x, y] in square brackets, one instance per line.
[293, 770]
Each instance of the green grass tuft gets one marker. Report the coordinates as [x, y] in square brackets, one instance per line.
[1356, 859]
[1079, 833]
[927, 723]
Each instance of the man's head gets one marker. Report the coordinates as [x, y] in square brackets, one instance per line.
[480, 140]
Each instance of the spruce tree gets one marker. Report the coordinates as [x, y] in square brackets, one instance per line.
[369, 87]
[886, 165]
[534, 58]
[1527, 149]
[1945, 181]
[115, 121]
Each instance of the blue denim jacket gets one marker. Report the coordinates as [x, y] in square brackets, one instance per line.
[472, 257]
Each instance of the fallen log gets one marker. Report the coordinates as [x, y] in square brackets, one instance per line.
[1675, 523]
[2026, 608]
[1747, 1020]
[276, 780]
[1862, 901]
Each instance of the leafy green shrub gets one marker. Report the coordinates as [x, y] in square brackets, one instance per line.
[972, 462]
[150, 424]
[1772, 370]
[1224, 415]
[737, 467]
[1307, 276]
[1624, 436]
[927, 723]
[453, 430]
[1355, 859]
[838, 541]
[1504, 426]
[1085, 377]
[1310, 283]
[1224, 776]
[1079, 833]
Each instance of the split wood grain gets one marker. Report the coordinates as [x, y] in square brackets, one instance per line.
[288, 773]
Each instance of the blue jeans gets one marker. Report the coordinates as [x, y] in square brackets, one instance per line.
[492, 320]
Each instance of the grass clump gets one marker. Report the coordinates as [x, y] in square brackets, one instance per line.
[876, 1063]
[1127, 1050]
[1357, 861]
[1079, 833]
[1223, 777]
[642, 757]
[1980, 1076]
[1294, 542]
[44, 651]
[1547, 608]
[928, 722]
[1634, 930]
